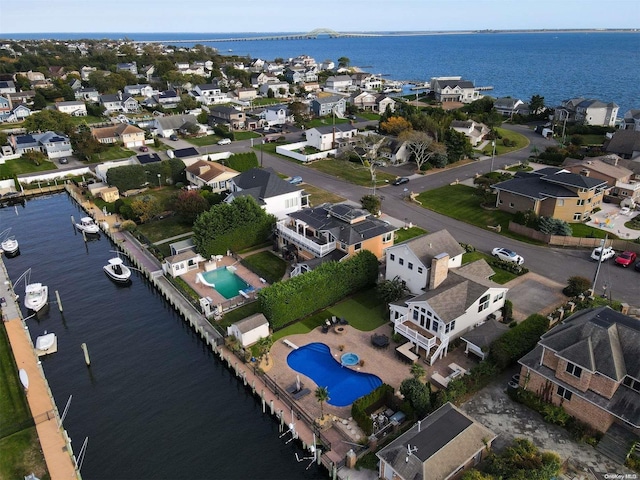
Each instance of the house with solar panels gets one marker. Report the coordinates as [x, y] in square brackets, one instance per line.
[52, 144]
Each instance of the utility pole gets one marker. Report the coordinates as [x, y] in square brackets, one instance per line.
[493, 154]
[603, 244]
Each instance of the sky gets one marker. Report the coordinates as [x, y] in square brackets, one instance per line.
[220, 16]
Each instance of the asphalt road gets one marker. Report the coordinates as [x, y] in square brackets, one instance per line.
[557, 264]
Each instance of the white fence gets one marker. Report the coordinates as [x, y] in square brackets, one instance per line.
[288, 151]
[60, 175]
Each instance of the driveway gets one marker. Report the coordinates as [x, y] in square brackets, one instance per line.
[533, 293]
[509, 420]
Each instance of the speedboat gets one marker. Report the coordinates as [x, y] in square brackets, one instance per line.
[10, 247]
[87, 225]
[36, 296]
[117, 271]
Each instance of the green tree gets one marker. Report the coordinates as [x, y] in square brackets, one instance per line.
[39, 102]
[189, 204]
[458, 145]
[322, 395]
[84, 144]
[417, 394]
[344, 62]
[417, 371]
[576, 285]
[371, 203]
[203, 117]
[391, 290]
[146, 208]
[536, 104]
[263, 345]
[524, 461]
[187, 102]
[35, 157]
[49, 120]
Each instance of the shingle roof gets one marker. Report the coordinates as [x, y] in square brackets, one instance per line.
[485, 334]
[249, 323]
[534, 187]
[624, 142]
[426, 247]
[174, 122]
[341, 127]
[262, 183]
[208, 170]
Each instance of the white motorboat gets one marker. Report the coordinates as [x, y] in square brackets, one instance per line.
[87, 225]
[10, 246]
[36, 296]
[46, 341]
[117, 271]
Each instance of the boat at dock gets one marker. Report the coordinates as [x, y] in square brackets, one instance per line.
[10, 247]
[47, 343]
[87, 225]
[36, 296]
[117, 271]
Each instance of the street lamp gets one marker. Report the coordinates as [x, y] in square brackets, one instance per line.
[493, 154]
[261, 153]
[159, 184]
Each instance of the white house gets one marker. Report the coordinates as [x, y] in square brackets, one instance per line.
[454, 89]
[208, 94]
[339, 83]
[588, 112]
[211, 174]
[333, 105]
[451, 301]
[249, 330]
[273, 194]
[53, 145]
[144, 90]
[73, 108]
[328, 137]
[280, 89]
[276, 115]
[475, 132]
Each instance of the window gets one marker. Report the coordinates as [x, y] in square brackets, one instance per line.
[401, 261]
[410, 265]
[392, 257]
[420, 270]
[387, 237]
[449, 327]
[500, 296]
[581, 202]
[631, 383]
[564, 393]
[577, 216]
[560, 202]
[511, 205]
[484, 303]
[435, 326]
[290, 202]
[574, 370]
[357, 246]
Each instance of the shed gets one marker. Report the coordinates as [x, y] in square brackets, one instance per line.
[480, 338]
[182, 263]
[249, 330]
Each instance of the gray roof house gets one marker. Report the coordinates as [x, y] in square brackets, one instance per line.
[334, 104]
[590, 364]
[52, 144]
[438, 447]
[171, 124]
[625, 143]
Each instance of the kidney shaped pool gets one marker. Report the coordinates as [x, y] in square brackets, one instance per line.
[344, 385]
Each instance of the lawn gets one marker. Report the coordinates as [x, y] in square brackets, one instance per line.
[22, 455]
[266, 265]
[520, 142]
[157, 230]
[19, 165]
[501, 276]
[349, 171]
[402, 235]
[368, 115]
[245, 135]
[89, 120]
[111, 153]
[323, 122]
[318, 196]
[582, 230]
[13, 403]
[203, 141]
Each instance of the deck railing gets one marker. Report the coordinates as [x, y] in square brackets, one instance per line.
[313, 246]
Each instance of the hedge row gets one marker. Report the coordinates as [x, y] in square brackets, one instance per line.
[517, 341]
[361, 408]
[284, 302]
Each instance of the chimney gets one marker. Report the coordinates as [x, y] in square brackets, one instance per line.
[439, 270]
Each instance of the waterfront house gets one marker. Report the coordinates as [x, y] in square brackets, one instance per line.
[587, 112]
[212, 174]
[441, 446]
[229, 115]
[339, 83]
[172, 124]
[448, 299]
[104, 191]
[453, 89]
[249, 330]
[508, 107]
[366, 81]
[330, 137]
[53, 145]
[274, 195]
[129, 136]
[475, 132]
[624, 143]
[590, 365]
[331, 232]
[208, 94]
[331, 105]
[551, 192]
[364, 100]
[631, 120]
[73, 108]
[280, 89]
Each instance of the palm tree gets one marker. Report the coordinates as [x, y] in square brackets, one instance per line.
[264, 345]
[417, 371]
[322, 395]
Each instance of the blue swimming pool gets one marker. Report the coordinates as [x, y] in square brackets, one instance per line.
[345, 385]
[226, 283]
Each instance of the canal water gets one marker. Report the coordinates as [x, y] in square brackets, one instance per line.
[155, 403]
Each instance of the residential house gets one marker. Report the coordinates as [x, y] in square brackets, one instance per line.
[280, 89]
[331, 232]
[208, 94]
[17, 114]
[7, 86]
[141, 90]
[508, 107]
[5, 107]
[449, 299]
[339, 83]
[53, 145]
[364, 100]
[32, 76]
[173, 124]
[245, 94]
[384, 103]
[276, 115]
[85, 71]
[25, 97]
[211, 174]
[551, 192]
[190, 69]
[249, 330]
[453, 89]
[475, 132]
[260, 79]
[57, 72]
[397, 152]
[300, 74]
[304, 60]
[128, 135]
[234, 117]
[104, 191]
[631, 120]
[624, 143]
[75, 84]
[441, 446]
[166, 99]
[88, 94]
[118, 102]
[330, 137]
[327, 65]
[189, 155]
[74, 108]
[273, 194]
[590, 365]
[478, 341]
[588, 112]
[147, 72]
[366, 81]
[131, 67]
[331, 105]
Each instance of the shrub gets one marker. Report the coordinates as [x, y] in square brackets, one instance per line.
[517, 341]
[576, 285]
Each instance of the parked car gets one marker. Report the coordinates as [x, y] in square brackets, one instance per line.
[400, 181]
[295, 180]
[173, 137]
[507, 255]
[144, 149]
[626, 258]
[380, 163]
[606, 255]
[64, 161]
[637, 267]
[224, 141]
[625, 211]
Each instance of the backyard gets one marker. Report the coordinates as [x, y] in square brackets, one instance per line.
[20, 165]
[350, 171]
[113, 152]
[266, 265]
[501, 276]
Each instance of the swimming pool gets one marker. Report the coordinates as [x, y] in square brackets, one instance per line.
[226, 283]
[345, 385]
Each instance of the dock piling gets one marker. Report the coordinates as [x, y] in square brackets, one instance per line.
[87, 360]
[59, 301]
